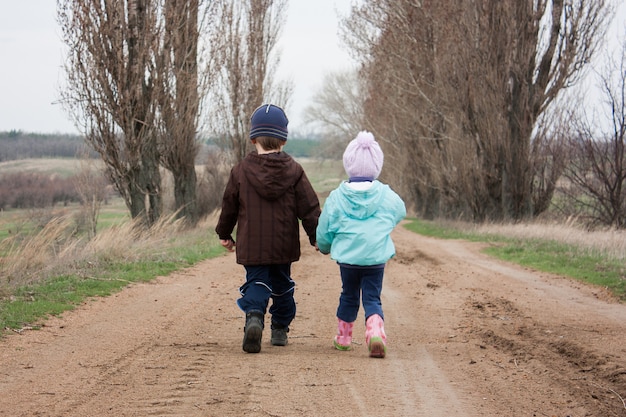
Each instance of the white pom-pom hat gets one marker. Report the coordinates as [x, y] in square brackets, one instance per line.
[363, 158]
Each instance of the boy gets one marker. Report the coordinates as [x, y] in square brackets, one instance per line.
[267, 193]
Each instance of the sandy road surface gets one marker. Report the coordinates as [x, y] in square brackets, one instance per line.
[468, 336]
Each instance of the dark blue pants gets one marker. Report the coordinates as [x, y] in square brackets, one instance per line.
[269, 281]
[357, 283]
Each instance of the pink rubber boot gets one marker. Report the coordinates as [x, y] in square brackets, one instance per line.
[344, 335]
[375, 336]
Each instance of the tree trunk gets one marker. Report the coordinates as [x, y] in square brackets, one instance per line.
[516, 186]
[150, 177]
[185, 195]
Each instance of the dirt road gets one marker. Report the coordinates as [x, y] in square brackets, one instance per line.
[468, 336]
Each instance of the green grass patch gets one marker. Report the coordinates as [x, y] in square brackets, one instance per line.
[554, 257]
[15, 223]
[111, 217]
[30, 303]
[433, 229]
[542, 255]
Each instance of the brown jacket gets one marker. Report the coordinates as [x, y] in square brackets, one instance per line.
[265, 196]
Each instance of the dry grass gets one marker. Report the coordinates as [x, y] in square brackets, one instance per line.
[25, 255]
[56, 249]
[123, 241]
[610, 243]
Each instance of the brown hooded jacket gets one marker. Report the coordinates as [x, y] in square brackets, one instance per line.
[265, 197]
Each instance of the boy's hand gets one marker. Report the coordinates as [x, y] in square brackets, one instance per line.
[318, 249]
[228, 244]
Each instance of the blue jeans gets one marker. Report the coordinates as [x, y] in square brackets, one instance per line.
[269, 281]
[360, 282]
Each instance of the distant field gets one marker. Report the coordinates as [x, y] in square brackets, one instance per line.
[62, 166]
[13, 220]
[325, 175]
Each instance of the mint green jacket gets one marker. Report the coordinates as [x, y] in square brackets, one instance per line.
[355, 225]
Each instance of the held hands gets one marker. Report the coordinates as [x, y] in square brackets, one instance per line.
[318, 249]
[229, 244]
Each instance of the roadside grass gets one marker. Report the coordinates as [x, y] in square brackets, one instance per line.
[597, 258]
[40, 278]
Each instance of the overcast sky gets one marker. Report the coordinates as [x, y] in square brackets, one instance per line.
[31, 54]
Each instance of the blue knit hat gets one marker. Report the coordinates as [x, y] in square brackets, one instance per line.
[269, 120]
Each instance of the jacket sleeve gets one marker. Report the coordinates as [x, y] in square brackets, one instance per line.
[323, 233]
[307, 206]
[400, 209]
[396, 205]
[230, 209]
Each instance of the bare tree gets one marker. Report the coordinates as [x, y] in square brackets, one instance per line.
[455, 91]
[404, 99]
[550, 155]
[597, 172]
[244, 60]
[336, 111]
[91, 186]
[111, 92]
[179, 101]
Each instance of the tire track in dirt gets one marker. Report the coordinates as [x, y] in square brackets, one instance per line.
[558, 324]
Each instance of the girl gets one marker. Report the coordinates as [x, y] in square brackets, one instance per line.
[355, 227]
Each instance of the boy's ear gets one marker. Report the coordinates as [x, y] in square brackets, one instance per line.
[253, 141]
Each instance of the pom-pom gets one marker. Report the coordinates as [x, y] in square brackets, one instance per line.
[365, 139]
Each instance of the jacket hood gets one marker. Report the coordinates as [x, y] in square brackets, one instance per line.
[361, 204]
[269, 174]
